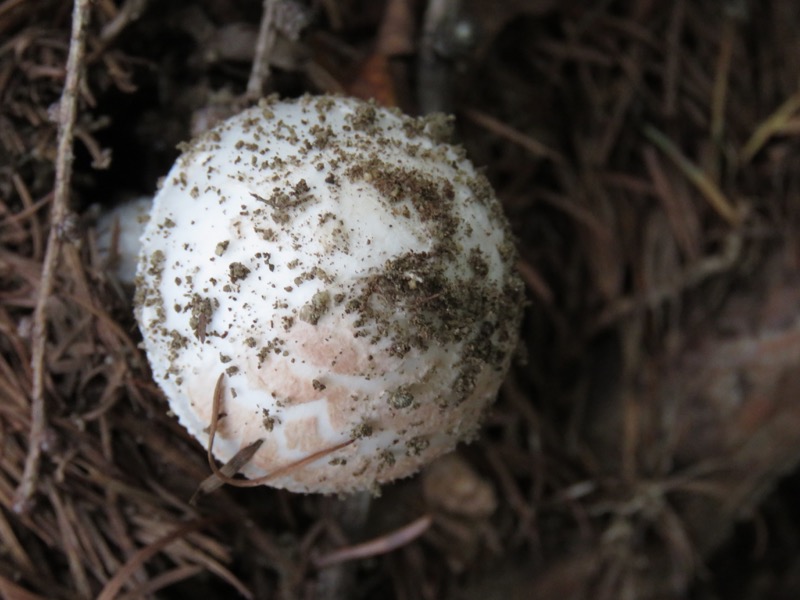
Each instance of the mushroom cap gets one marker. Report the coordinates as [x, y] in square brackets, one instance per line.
[349, 271]
[127, 220]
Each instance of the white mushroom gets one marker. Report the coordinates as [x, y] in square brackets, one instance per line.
[352, 275]
[118, 234]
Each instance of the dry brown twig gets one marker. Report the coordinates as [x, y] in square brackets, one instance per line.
[66, 123]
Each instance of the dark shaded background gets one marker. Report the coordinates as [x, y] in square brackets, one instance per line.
[646, 442]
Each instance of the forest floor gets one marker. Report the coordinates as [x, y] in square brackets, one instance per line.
[645, 444]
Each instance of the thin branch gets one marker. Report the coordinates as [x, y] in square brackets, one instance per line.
[66, 123]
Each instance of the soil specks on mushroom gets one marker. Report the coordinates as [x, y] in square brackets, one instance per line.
[352, 275]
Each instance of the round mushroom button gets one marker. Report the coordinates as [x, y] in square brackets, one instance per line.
[350, 275]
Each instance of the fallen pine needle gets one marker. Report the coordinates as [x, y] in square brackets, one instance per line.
[166, 579]
[381, 545]
[114, 585]
[233, 466]
[708, 189]
[220, 474]
[769, 127]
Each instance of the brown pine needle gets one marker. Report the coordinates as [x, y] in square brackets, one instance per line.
[162, 581]
[9, 589]
[298, 464]
[233, 466]
[496, 126]
[769, 127]
[719, 94]
[380, 545]
[707, 188]
[114, 585]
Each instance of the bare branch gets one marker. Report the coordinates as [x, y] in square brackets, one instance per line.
[66, 122]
